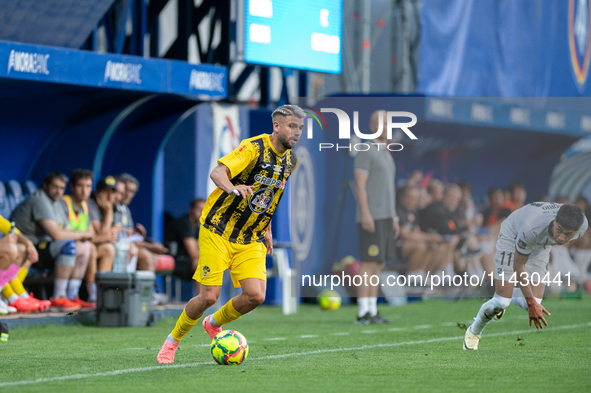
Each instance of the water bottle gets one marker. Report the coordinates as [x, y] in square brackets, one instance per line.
[121, 253]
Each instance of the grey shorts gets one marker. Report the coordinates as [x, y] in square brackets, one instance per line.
[59, 252]
[505, 256]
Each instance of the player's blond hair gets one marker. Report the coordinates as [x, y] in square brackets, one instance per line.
[288, 110]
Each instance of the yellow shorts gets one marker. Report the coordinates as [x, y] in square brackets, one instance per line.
[217, 254]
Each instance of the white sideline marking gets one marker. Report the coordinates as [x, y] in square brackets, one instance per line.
[285, 355]
[308, 336]
[313, 336]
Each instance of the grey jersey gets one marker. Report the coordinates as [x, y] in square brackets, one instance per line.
[94, 212]
[529, 227]
[122, 216]
[35, 208]
[379, 165]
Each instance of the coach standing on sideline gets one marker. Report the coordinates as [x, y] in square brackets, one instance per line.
[376, 216]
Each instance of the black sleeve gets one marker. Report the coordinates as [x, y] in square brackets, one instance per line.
[435, 219]
[429, 219]
[184, 228]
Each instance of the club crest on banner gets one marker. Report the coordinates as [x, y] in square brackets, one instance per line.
[303, 205]
[579, 40]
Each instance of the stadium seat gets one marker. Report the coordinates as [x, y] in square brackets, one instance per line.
[164, 263]
[165, 267]
[14, 193]
[5, 209]
[29, 187]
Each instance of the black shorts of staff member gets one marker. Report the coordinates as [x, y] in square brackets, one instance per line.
[380, 245]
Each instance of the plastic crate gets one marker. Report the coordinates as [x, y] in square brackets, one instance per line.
[124, 299]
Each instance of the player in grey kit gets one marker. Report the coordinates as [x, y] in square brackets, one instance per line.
[523, 249]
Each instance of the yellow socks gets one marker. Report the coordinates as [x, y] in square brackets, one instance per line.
[17, 285]
[183, 325]
[226, 314]
[22, 274]
[9, 293]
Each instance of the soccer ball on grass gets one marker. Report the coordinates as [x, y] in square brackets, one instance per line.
[229, 347]
[329, 300]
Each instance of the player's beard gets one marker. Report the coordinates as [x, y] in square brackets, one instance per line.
[285, 141]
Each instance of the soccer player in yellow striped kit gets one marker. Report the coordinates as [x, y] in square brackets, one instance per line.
[235, 226]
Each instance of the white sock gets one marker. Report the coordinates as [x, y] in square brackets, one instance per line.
[91, 288]
[24, 295]
[488, 311]
[169, 339]
[73, 288]
[518, 299]
[373, 306]
[363, 304]
[13, 298]
[59, 288]
[212, 321]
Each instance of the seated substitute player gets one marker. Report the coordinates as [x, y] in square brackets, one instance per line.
[523, 247]
[81, 219]
[235, 225]
[41, 219]
[186, 234]
[16, 251]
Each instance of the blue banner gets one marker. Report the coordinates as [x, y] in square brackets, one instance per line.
[75, 67]
[492, 48]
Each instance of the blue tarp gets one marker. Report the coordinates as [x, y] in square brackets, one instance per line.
[491, 48]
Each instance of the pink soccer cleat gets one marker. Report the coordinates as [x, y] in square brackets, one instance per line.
[86, 306]
[166, 354]
[210, 329]
[24, 306]
[42, 305]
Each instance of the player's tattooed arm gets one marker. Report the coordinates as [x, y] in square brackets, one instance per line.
[269, 240]
[220, 175]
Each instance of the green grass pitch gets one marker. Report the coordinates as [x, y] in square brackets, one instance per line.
[421, 350]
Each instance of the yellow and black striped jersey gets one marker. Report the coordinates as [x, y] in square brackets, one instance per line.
[254, 163]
